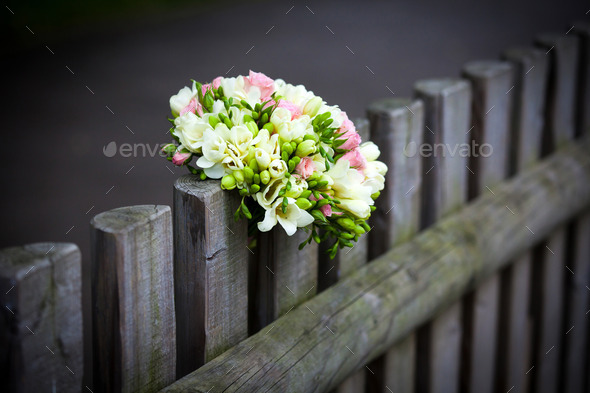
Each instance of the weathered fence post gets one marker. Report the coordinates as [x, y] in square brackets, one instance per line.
[559, 130]
[397, 127]
[346, 262]
[41, 324]
[491, 115]
[133, 328]
[515, 332]
[447, 108]
[210, 272]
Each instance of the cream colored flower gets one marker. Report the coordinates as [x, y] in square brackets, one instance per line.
[294, 217]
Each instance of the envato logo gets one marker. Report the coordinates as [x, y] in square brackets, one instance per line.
[134, 150]
[447, 150]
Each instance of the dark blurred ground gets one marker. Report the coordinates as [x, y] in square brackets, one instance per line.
[55, 176]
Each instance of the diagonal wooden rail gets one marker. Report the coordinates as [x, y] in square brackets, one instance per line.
[321, 342]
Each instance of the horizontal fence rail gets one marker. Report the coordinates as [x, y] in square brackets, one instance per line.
[362, 316]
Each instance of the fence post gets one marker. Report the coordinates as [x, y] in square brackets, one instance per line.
[41, 324]
[549, 294]
[447, 108]
[210, 272]
[346, 262]
[397, 127]
[491, 116]
[515, 332]
[133, 300]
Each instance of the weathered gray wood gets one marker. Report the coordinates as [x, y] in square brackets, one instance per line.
[397, 128]
[210, 272]
[447, 105]
[287, 276]
[133, 327]
[397, 292]
[491, 117]
[560, 128]
[529, 90]
[582, 29]
[578, 301]
[41, 325]
[561, 100]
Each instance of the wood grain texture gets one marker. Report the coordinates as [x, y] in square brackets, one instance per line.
[397, 128]
[134, 344]
[491, 118]
[41, 324]
[562, 89]
[391, 296]
[582, 29]
[560, 129]
[578, 300]
[530, 81]
[447, 108]
[210, 272]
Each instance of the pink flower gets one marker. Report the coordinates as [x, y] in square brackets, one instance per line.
[263, 82]
[270, 102]
[305, 168]
[326, 210]
[347, 125]
[353, 140]
[291, 107]
[179, 158]
[193, 106]
[217, 82]
[356, 159]
[204, 88]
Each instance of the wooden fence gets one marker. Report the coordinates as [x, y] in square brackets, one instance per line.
[478, 273]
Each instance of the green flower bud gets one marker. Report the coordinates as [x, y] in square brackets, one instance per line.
[254, 188]
[373, 208]
[305, 194]
[305, 148]
[346, 235]
[269, 127]
[323, 202]
[294, 144]
[264, 118]
[239, 175]
[291, 165]
[375, 195]
[253, 164]
[322, 184]
[287, 147]
[213, 121]
[312, 184]
[255, 115]
[252, 127]
[303, 203]
[265, 176]
[347, 224]
[169, 149]
[296, 160]
[203, 176]
[312, 137]
[318, 215]
[247, 118]
[312, 107]
[248, 174]
[359, 230]
[228, 182]
[256, 178]
[243, 192]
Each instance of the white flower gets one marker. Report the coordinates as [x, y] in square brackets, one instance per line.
[262, 158]
[370, 151]
[294, 217]
[267, 196]
[214, 152]
[295, 129]
[350, 190]
[190, 129]
[269, 143]
[298, 185]
[375, 175]
[179, 101]
[242, 139]
[277, 168]
[298, 95]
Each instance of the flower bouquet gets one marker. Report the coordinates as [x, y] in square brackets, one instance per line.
[293, 159]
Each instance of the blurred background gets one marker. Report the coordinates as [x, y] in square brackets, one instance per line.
[80, 75]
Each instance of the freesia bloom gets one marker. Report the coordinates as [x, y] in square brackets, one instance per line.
[294, 217]
[353, 139]
[217, 82]
[356, 159]
[179, 158]
[291, 107]
[306, 167]
[181, 100]
[263, 82]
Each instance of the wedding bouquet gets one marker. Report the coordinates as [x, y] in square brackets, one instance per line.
[293, 159]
